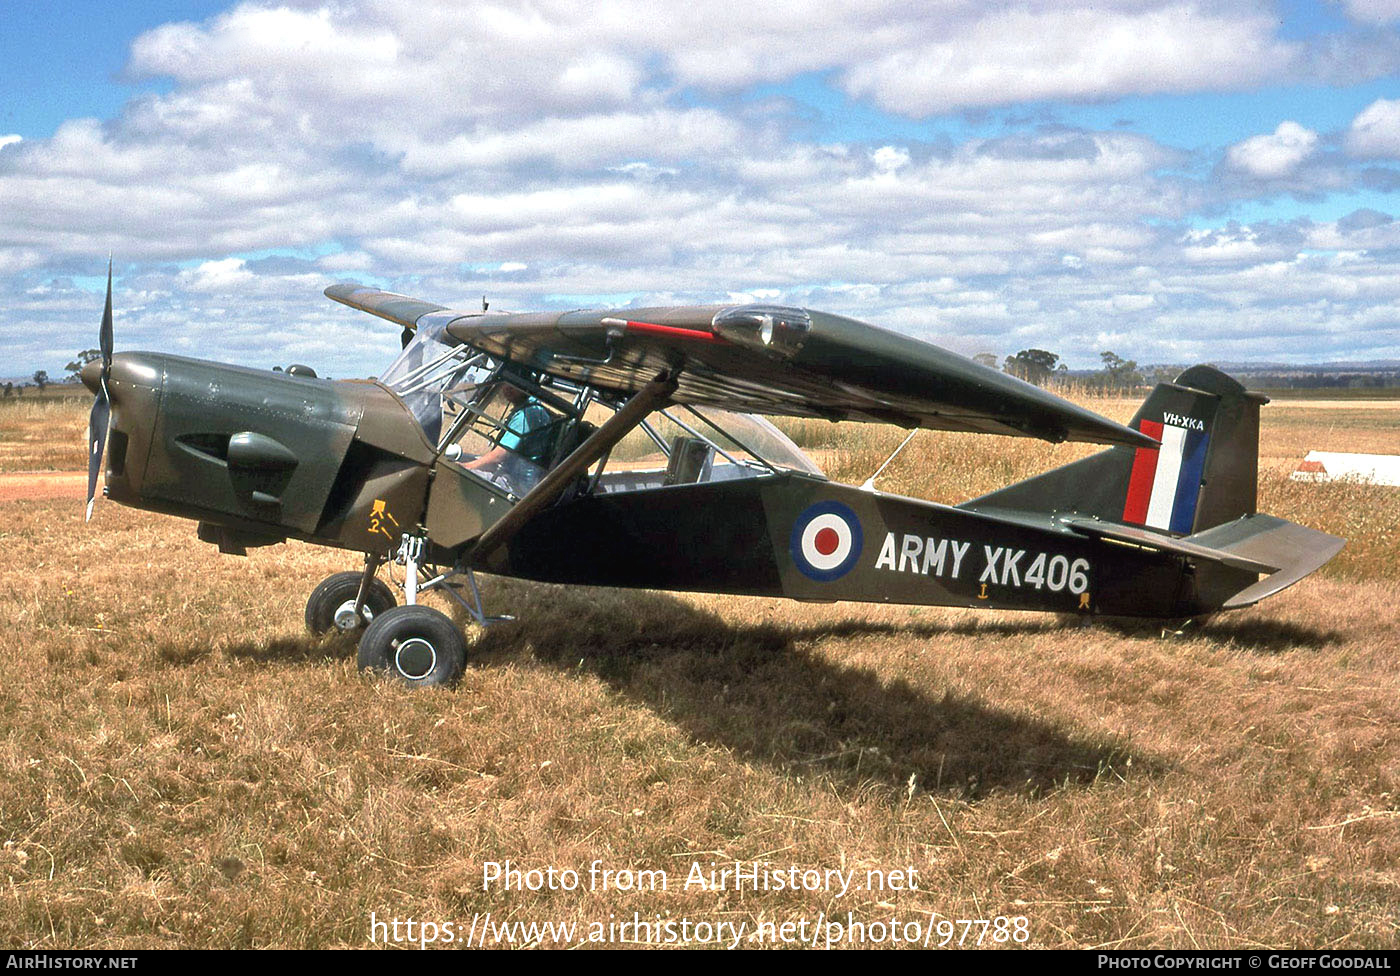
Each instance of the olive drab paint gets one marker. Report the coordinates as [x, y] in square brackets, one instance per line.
[1160, 524]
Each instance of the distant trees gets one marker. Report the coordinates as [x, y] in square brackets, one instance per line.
[1034, 365]
[79, 361]
[41, 379]
[1117, 374]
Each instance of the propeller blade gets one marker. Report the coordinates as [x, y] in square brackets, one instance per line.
[97, 442]
[102, 406]
[104, 335]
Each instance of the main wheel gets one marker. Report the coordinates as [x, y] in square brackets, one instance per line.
[417, 644]
[331, 605]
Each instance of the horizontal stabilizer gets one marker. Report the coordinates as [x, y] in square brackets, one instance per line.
[1132, 535]
[1295, 549]
[1282, 552]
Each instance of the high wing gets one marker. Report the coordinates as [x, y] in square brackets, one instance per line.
[762, 359]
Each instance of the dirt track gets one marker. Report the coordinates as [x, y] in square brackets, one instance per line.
[42, 484]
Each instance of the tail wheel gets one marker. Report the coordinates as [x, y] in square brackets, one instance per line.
[331, 605]
[416, 644]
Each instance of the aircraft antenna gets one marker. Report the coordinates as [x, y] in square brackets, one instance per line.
[869, 484]
[484, 303]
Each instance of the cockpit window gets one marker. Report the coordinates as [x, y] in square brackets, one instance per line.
[754, 435]
[429, 375]
[501, 425]
[508, 436]
[694, 445]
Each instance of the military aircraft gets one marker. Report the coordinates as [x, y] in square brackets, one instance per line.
[628, 448]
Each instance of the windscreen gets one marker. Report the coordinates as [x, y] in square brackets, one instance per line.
[431, 376]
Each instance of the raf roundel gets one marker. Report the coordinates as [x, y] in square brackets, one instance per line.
[826, 541]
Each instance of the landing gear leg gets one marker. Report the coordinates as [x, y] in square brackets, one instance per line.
[410, 554]
[347, 602]
[416, 643]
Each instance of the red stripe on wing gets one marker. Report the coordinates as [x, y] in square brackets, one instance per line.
[671, 332]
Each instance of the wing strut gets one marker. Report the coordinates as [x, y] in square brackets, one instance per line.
[653, 396]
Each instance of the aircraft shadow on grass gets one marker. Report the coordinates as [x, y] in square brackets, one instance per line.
[1254, 634]
[1263, 635]
[760, 690]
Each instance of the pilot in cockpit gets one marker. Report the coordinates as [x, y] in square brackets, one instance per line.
[517, 457]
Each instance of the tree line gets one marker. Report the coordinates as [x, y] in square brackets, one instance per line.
[1040, 366]
[1118, 375]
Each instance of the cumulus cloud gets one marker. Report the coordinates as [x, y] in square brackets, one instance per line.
[1375, 132]
[585, 142]
[887, 159]
[1362, 220]
[554, 154]
[1373, 11]
[1032, 53]
[477, 59]
[221, 275]
[1276, 155]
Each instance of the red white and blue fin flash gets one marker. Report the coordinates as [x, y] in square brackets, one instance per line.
[1165, 483]
[826, 541]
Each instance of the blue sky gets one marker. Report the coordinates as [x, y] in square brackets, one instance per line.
[66, 60]
[1173, 180]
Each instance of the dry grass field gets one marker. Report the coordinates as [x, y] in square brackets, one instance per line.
[42, 433]
[181, 765]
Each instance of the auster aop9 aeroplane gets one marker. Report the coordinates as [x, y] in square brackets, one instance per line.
[627, 448]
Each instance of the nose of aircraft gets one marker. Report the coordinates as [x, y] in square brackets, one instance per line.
[134, 383]
[129, 370]
[92, 375]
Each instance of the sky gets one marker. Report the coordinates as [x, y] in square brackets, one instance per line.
[1173, 181]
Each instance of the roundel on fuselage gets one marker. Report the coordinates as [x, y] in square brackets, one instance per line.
[826, 541]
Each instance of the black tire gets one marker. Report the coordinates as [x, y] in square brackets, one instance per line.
[417, 644]
[336, 592]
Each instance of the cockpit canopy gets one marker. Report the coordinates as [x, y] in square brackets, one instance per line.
[510, 425]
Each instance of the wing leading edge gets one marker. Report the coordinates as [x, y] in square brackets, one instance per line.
[767, 360]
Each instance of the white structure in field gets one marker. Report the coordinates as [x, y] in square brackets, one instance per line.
[1377, 469]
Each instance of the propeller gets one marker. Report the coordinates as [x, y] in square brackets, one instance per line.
[102, 406]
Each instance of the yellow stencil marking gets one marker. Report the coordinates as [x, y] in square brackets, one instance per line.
[378, 515]
[1084, 601]
[983, 594]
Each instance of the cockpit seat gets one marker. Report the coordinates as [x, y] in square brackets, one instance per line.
[691, 458]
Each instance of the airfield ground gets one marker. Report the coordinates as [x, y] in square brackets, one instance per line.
[181, 765]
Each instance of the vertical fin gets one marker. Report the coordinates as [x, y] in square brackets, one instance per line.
[1204, 472]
